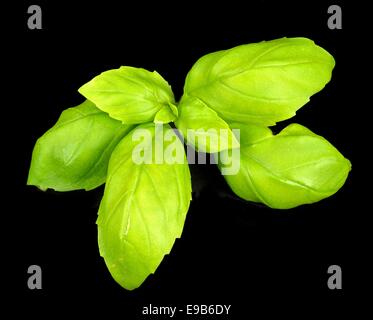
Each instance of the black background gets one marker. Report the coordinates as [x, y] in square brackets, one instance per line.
[231, 252]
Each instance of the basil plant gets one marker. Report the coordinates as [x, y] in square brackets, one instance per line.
[126, 133]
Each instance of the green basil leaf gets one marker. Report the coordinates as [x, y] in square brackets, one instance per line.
[260, 83]
[75, 152]
[131, 95]
[144, 205]
[203, 128]
[289, 169]
[167, 114]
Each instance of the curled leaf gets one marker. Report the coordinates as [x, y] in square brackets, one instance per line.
[286, 170]
[167, 114]
[203, 128]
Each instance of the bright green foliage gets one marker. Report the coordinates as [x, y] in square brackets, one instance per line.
[131, 95]
[143, 208]
[148, 184]
[75, 152]
[289, 169]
